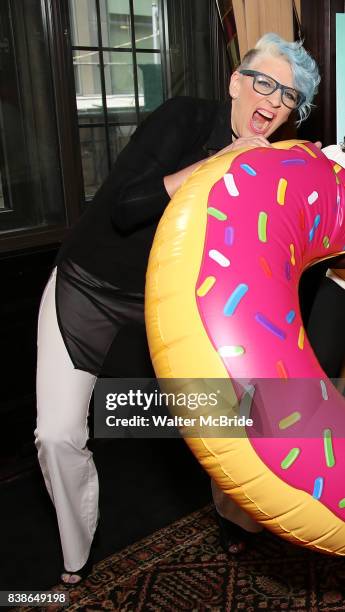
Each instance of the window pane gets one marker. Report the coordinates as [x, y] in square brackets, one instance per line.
[31, 184]
[88, 85]
[116, 24]
[119, 137]
[5, 179]
[83, 18]
[119, 85]
[94, 158]
[146, 24]
[149, 81]
[2, 201]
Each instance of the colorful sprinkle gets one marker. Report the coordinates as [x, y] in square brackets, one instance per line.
[290, 420]
[248, 169]
[318, 487]
[231, 351]
[325, 242]
[340, 216]
[301, 219]
[290, 317]
[305, 148]
[282, 373]
[246, 401]
[229, 235]
[218, 214]
[328, 448]
[337, 168]
[287, 270]
[290, 458]
[262, 226]
[313, 197]
[315, 226]
[260, 318]
[324, 390]
[292, 254]
[282, 185]
[235, 299]
[290, 162]
[342, 503]
[337, 179]
[231, 185]
[219, 258]
[205, 286]
[266, 267]
[301, 338]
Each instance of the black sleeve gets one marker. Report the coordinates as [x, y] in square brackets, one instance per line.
[154, 151]
[338, 263]
[326, 327]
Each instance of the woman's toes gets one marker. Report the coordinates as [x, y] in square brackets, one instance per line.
[70, 578]
[235, 549]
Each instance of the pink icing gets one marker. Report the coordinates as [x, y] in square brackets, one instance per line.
[271, 277]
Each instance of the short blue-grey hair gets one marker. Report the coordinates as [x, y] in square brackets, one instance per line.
[305, 72]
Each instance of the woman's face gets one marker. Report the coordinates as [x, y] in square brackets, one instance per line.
[253, 113]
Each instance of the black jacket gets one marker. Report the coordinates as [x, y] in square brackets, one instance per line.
[113, 238]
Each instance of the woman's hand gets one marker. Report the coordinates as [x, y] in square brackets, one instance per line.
[245, 142]
[173, 181]
[250, 142]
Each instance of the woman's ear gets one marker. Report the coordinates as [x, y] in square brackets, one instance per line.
[234, 85]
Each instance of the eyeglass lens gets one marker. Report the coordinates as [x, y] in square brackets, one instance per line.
[264, 85]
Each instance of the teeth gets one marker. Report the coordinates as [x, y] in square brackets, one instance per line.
[265, 114]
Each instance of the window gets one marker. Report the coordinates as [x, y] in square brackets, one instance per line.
[76, 78]
[117, 55]
[30, 187]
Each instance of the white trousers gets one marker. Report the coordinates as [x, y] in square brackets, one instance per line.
[63, 397]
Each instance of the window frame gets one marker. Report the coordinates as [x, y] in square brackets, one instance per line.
[133, 50]
[58, 47]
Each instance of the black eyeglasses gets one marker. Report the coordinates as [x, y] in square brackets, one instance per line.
[266, 85]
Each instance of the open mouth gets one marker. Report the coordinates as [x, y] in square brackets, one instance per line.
[261, 120]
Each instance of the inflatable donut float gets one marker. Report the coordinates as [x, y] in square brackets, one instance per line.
[222, 305]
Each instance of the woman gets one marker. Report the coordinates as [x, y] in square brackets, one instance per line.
[97, 286]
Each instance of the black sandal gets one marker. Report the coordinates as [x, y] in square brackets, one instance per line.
[86, 570]
[83, 573]
[233, 538]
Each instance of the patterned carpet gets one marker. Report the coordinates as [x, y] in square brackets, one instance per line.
[182, 567]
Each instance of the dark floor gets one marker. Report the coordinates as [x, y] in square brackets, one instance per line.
[144, 485]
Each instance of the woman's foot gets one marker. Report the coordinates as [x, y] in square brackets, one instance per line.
[233, 538]
[73, 579]
[237, 531]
